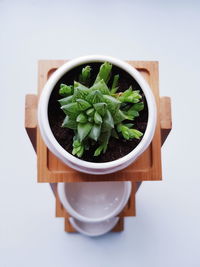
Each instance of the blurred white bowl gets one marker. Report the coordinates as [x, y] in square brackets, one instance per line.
[94, 201]
[94, 229]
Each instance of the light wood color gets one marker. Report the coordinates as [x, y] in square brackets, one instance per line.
[31, 118]
[166, 117]
[147, 166]
[118, 228]
[129, 209]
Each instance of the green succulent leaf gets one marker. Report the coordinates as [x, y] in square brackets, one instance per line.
[133, 111]
[97, 112]
[80, 91]
[85, 75]
[108, 122]
[65, 90]
[130, 96]
[135, 134]
[71, 109]
[90, 112]
[90, 119]
[100, 108]
[65, 100]
[83, 130]
[104, 72]
[114, 134]
[69, 123]
[94, 97]
[82, 104]
[95, 132]
[101, 86]
[139, 106]
[115, 87]
[128, 133]
[119, 116]
[99, 150]
[113, 103]
[97, 118]
[82, 118]
[129, 125]
[78, 148]
[104, 139]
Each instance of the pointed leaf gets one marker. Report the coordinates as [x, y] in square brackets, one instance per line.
[90, 112]
[104, 72]
[138, 106]
[85, 75]
[98, 150]
[66, 100]
[104, 139]
[115, 87]
[82, 104]
[83, 130]
[95, 132]
[100, 108]
[113, 103]
[80, 152]
[94, 97]
[69, 123]
[80, 91]
[119, 116]
[101, 86]
[97, 118]
[114, 134]
[81, 118]
[108, 122]
[71, 109]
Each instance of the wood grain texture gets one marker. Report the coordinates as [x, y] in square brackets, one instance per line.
[165, 117]
[69, 228]
[129, 209]
[31, 118]
[146, 167]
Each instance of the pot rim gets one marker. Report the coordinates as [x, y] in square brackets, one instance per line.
[47, 134]
[63, 198]
[111, 225]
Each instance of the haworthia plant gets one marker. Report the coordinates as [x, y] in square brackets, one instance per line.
[96, 112]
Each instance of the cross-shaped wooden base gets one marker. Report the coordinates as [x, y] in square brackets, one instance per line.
[147, 167]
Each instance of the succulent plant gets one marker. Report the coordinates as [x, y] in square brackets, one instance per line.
[95, 112]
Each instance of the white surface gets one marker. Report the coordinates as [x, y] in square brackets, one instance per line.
[94, 201]
[166, 231]
[66, 157]
[94, 229]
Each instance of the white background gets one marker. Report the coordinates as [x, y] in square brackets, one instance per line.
[166, 230]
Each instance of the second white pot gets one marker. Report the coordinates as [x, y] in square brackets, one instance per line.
[94, 202]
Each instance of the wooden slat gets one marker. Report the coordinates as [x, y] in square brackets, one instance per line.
[31, 118]
[166, 117]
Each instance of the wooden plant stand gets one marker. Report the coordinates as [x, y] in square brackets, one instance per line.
[146, 168]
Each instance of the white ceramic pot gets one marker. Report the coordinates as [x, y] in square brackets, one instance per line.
[69, 159]
[94, 229]
[94, 202]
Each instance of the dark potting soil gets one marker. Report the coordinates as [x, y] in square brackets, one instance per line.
[117, 148]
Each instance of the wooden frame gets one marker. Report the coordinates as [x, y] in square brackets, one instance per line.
[147, 167]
